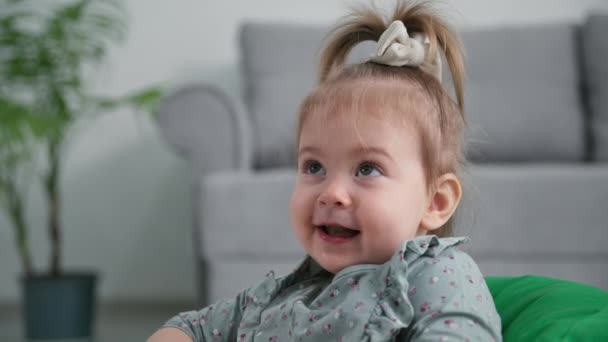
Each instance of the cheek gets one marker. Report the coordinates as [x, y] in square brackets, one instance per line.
[393, 212]
[300, 204]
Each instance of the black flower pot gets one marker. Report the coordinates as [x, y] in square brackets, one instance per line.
[59, 307]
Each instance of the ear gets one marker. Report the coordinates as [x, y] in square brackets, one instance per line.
[442, 203]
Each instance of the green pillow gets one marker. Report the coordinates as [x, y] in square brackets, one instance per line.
[534, 308]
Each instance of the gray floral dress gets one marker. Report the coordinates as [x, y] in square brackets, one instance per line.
[428, 291]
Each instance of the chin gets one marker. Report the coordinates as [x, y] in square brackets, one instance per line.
[335, 267]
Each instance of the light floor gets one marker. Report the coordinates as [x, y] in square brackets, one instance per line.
[114, 323]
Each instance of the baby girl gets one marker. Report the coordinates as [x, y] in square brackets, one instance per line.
[380, 153]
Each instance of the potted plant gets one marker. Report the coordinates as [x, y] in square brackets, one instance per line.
[47, 52]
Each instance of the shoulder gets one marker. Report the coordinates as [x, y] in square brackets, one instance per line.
[448, 283]
[435, 264]
[443, 260]
[449, 273]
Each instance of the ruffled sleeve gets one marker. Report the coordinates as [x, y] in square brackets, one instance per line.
[224, 320]
[217, 322]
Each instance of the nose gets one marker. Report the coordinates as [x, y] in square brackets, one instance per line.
[335, 194]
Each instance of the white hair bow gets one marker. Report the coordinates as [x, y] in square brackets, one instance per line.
[396, 48]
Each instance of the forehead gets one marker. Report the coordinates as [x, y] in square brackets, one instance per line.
[362, 107]
[348, 134]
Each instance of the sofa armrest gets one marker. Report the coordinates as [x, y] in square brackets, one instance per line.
[207, 127]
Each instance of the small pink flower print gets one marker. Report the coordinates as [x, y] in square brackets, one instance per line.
[267, 317]
[284, 316]
[319, 304]
[422, 244]
[327, 328]
[358, 306]
[479, 297]
[270, 274]
[470, 279]
[216, 334]
[308, 332]
[451, 324]
[434, 280]
[195, 321]
[242, 337]
[338, 314]
[444, 298]
[354, 284]
[273, 338]
[334, 292]
[452, 283]
[401, 255]
[435, 313]
[425, 307]
[412, 290]
[312, 318]
[456, 304]
[451, 256]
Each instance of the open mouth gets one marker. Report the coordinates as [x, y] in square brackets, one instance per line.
[339, 232]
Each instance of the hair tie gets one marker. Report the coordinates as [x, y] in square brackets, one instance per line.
[396, 48]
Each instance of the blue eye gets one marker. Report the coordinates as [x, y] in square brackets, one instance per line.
[368, 170]
[314, 168]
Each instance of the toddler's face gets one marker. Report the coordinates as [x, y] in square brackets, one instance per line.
[359, 192]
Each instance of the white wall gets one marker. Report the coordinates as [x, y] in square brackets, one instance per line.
[127, 207]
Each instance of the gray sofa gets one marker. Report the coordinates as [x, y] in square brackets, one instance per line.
[536, 197]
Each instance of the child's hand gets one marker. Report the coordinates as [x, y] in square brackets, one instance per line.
[169, 335]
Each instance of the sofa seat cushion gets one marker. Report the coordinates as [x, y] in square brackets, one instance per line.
[508, 213]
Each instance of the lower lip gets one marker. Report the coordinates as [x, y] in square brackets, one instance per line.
[334, 239]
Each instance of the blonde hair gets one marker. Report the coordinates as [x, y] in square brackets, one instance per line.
[413, 93]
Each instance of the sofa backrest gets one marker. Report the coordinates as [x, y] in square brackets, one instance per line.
[595, 66]
[522, 96]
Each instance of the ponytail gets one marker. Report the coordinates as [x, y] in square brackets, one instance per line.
[365, 24]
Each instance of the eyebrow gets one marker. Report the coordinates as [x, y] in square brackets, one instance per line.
[354, 151]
